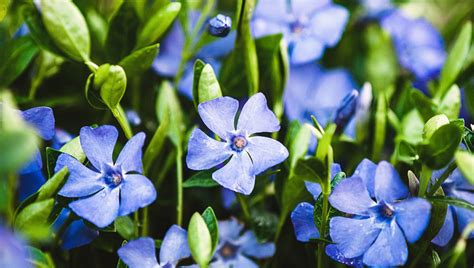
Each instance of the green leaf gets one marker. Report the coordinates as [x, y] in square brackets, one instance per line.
[205, 84]
[139, 61]
[299, 145]
[33, 217]
[405, 152]
[92, 96]
[67, 27]
[441, 147]
[455, 60]
[460, 203]
[168, 102]
[18, 146]
[51, 157]
[200, 240]
[201, 179]
[433, 125]
[423, 104]
[111, 81]
[380, 126]
[15, 56]
[156, 144]
[73, 148]
[52, 186]
[211, 222]
[465, 162]
[38, 258]
[412, 127]
[157, 24]
[310, 169]
[451, 103]
[125, 227]
[325, 142]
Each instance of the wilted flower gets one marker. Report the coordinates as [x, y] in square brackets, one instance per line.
[249, 155]
[219, 26]
[13, 253]
[111, 188]
[141, 253]
[380, 229]
[236, 249]
[308, 26]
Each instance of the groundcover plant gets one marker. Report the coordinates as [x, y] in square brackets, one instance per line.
[236, 133]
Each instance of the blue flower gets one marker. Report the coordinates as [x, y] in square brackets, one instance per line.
[308, 26]
[219, 26]
[236, 249]
[419, 46]
[249, 155]
[109, 189]
[140, 253]
[61, 137]
[380, 229]
[133, 118]
[77, 234]
[13, 252]
[455, 186]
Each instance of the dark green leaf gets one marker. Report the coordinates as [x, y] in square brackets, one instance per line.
[125, 227]
[441, 147]
[423, 104]
[139, 61]
[156, 144]
[310, 169]
[201, 179]
[211, 222]
[447, 200]
[15, 56]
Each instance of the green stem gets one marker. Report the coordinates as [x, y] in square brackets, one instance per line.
[244, 206]
[426, 173]
[122, 120]
[136, 220]
[380, 124]
[179, 186]
[442, 178]
[92, 66]
[11, 189]
[145, 223]
[326, 191]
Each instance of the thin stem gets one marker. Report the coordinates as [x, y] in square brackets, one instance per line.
[136, 220]
[426, 173]
[244, 206]
[179, 186]
[145, 223]
[122, 120]
[442, 178]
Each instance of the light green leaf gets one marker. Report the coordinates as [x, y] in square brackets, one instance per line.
[451, 103]
[38, 258]
[139, 61]
[73, 148]
[51, 186]
[111, 81]
[434, 124]
[156, 144]
[200, 240]
[168, 102]
[34, 217]
[300, 144]
[205, 84]
[465, 162]
[125, 227]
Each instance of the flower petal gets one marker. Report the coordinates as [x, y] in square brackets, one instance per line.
[390, 248]
[413, 216]
[388, 184]
[328, 24]
[303, 222]
[352, 236]
[465, 217]
[101, 208]
[219, 115]
[175, 246]
[42, 119]
[265, 153]
[256, 117]
[229, 229]
[78, 234]
[137, 191]
[30, 184]
[335, 254]
[34, 164]
[237, 175]
[446, 232]
[306, 49]
[204, 152]
[81, 181]
[351, 196]
[306, 7]
[252, 248]
[314, 188]
[98, 144]
[139, 253]
[130, 158]
[366, 171]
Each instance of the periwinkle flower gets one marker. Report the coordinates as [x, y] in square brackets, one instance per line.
[455, 186]
[141, 253]
[236, 248]
[220, 26]
[109, 188]
[379, 230]
[13, 253]
[249, 155]
[308, 26]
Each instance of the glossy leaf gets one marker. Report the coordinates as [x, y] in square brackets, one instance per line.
[34, 216]
[200, 240]
[205, 84]
[139, 61]
[111, 81]
[52, 186]
[211, 222]
[441, 147]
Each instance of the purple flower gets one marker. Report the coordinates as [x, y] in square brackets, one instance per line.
[308, 26]
[455, 186]
[236, 249]
[109, 188]
[13, 252]
[219, 26]
[380, 229]
[140, 253]
[249, 155]
[77, 234]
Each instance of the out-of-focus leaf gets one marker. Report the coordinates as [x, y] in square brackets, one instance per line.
[156, 144]
[34, 217]
[451, 103]
[299, 145]
[310, 169]
[433, 124]
[423, 104]
[38, 258]
[167, 102]
[465, 162]
[15, 56]
[452, 201]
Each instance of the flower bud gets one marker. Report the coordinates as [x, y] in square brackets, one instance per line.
[219, 26]
[111, 82]
[346, 110]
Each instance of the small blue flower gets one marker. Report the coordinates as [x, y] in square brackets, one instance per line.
[308, 26]
[141, 253]
[133, 118]
[77, 234]
[455, 186]
[220, 26]
[236, 249]
[110, 188]
[249, 155]
[13, 252]
[380, 229]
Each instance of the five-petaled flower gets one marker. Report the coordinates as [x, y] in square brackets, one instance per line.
[140, 253]
[109, 188]
[249, 155]
[379, 229]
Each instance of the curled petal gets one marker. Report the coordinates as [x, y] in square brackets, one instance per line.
[303, 222]
[42, 119]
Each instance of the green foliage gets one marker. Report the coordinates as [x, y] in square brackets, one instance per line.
[205, 84]
[201, 179]
[125, 227]
[465, 161]
[200, 240]
[15, 56]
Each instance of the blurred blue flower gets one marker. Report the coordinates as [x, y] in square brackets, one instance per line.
[376, 8]
[419, 46]
[77, 234]
[308, 26]
[228, 198]
[249, 155]
[346, 110]
[455, 186]
[219, 26]
[141, 253]
[13, 252]
[380, 229]
[236, 249]
[133, 118]
[109, 189]
[61, 137]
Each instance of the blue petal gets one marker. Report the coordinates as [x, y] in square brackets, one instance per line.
[303, 222]
[35, 164]
[256, 117]
[314, 188]
[137, 191]
[219, 114]
[390, 248]
[98, 144]
[328, 24]
[101, 208]
[229, 230]
[77, 235]
[60, 138]
[30, 184]
[388, 184]
[204, 152]
[353, 236]
[413, 216]
[228, 197]
[307, 7]
[265, 153]
[252, 248]
[139, 253]
[335, 254]
[218, 48]
[366, 171]
[306, 49]
[237, 175]
[262, 27]
[239, 261]
[42, 119]
[271, 10]
[460, 182]
[13, 250]
[167, 62]
[446, 232]
[351, 196]
[464, 217]
[175, 246]
[81, 181]
[130, 158]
